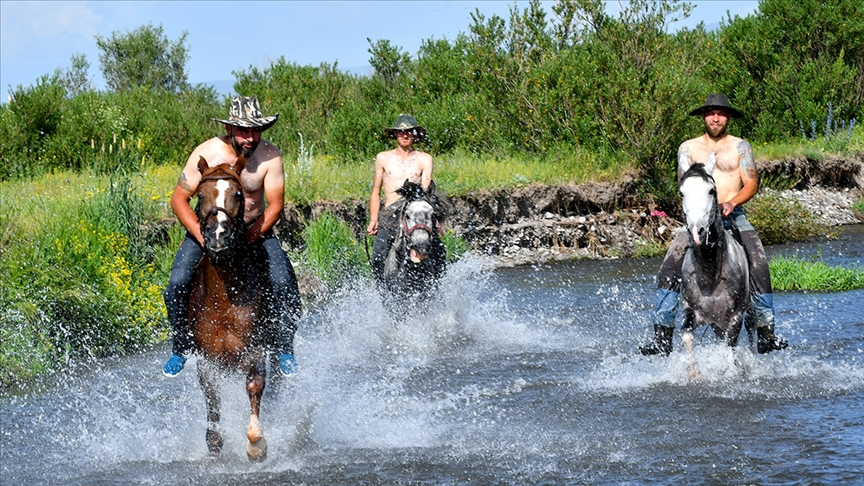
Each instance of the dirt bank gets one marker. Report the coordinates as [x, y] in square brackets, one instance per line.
[538, 223]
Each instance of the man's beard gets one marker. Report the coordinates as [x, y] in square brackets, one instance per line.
[244, 151]
[715, 131]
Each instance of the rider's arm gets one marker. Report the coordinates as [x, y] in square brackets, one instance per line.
[187, 184]
[375, 197]
[274, 195]
[426, 174]
[683, 156]
[749, 178]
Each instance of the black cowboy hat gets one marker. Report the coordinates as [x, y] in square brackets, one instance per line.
[246, 113]
[406, 122]
[717, 101]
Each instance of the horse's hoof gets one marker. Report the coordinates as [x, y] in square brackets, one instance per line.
[257, 451]
[254, 432]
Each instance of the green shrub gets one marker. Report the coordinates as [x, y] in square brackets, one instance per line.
[778, 219]
[455, 245]
[74, 282]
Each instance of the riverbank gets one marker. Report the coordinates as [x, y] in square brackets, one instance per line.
[539, 223]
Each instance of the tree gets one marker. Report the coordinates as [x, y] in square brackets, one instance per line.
[389, 61]
[76, 78]
[143, 57]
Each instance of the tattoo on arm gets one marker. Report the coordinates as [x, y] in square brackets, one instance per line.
[182, 182]
[748, 163]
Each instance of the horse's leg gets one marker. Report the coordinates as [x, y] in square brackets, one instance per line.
[211, 397]
[734, 330]
[687, 339]
[256, 447]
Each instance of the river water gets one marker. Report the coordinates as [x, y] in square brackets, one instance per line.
[517, 376]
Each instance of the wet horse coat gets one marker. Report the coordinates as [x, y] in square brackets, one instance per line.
[715, 287]
[227, 311]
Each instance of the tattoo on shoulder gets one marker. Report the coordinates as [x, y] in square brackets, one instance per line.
[748, 162]
[182, 182]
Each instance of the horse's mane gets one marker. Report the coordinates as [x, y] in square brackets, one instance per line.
[697, 170]
[412, 191]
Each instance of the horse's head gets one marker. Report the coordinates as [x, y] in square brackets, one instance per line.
[220, 205]
[699, 199]
[418, 219]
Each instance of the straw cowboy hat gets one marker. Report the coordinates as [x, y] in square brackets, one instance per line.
[246, 113]
[717, 101]
[406, 122]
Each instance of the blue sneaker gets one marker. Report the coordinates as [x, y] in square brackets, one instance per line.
[174, 366]
[287, 364]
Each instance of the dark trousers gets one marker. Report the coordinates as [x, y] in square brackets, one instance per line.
[388, 230]
[286, 304]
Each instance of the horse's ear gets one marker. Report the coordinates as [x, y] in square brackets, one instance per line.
[431, 189]
[240, 165]
[712, 161]
[202, 164]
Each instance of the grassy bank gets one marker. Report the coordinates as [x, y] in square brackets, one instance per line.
[813, 274]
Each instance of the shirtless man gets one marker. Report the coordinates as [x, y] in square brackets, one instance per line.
[392, 168]
[737, 181]
[263, 187]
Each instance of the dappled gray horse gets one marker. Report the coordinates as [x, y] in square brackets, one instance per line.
[715, 285]
[417, 259]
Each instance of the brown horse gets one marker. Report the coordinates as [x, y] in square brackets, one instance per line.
[227, 311]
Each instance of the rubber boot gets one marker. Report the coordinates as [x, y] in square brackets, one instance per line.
[762, 308]
[662, 342]
[664, 323]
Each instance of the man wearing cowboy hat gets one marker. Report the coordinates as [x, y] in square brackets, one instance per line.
[263, 187]
[392, 169]
[737, 181]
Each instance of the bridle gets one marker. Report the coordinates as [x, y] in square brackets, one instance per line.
[216, 209]
[406, 231]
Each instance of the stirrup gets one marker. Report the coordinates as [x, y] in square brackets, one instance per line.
[287, 364]
[174, 366]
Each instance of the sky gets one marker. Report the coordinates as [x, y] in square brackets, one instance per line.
[223, 36]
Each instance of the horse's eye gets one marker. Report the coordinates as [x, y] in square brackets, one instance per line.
[712, 192]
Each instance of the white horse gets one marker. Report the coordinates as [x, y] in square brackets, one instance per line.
[715, 288]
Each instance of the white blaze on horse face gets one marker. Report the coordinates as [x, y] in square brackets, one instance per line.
[221, 200]
[697, 203]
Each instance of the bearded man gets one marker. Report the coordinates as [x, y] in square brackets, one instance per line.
[263, 183]
[737, 181]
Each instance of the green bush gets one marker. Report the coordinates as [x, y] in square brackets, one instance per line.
[778, 220]
[78, 279]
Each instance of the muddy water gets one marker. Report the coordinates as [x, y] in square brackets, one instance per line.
[518, 376]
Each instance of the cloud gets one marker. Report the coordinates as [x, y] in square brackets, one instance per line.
[22, 22]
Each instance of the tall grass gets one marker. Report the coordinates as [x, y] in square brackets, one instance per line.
[795, 273]
[78, 276]
[331, 252]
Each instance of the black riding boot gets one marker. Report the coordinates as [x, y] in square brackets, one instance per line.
[662, 342]
[767, 341]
